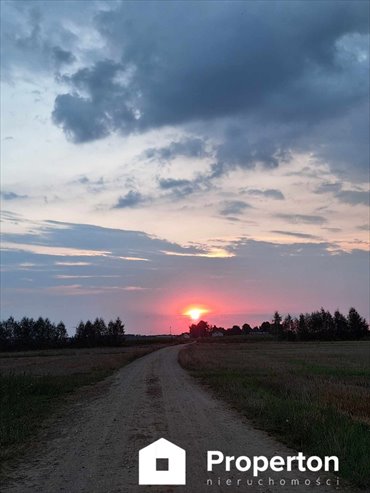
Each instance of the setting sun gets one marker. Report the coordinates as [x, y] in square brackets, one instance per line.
[195, 313]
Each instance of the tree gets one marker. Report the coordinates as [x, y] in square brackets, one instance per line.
[80, 331]
[288, 328]
[89, 333]
[6, 333]
[246, 329]
[357, 326]
[61, 333]
[302, 329]
[201, 329]
[327, 327]
[100, 330]
[276, 325]
[340, 325]
[234, 331]
[264, 327]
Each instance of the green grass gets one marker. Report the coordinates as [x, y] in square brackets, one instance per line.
[307, 368]
[300, 393]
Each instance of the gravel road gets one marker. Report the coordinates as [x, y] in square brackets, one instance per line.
[92, 447]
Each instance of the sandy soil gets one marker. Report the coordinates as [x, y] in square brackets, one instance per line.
[93, 446]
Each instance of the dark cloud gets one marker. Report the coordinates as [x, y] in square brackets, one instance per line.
[92, 185]
[234, 207]
[289, 77]
[131, 199]
[270, 193]
[169, 183]
[29, 40]
[302, 218]
[119, 243]
[296, 235]
[12, 196]
[85, 119]
[62, 56]
[329, 187]
[188, 147]
[179, 188]
[353, 197]
[333, 230]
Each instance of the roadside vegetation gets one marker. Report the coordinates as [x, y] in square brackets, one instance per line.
[34, 384]
[313, 396]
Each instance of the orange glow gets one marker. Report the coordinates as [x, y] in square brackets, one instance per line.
[195, 312]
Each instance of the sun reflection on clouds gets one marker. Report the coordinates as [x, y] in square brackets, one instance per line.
[212, 253]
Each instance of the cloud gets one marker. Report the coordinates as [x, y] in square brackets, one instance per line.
[296, 235]
[269, 193]
[33, 40]
[73, 264]
[62, 56]
[12, 196]
[227, 66]
[131, 199]
[225, 72]
[180, 188]
[55, 251]
[97, 185]
[189, 147]
[353, 197]
[80, 120]
[363, 227]
[234, 207]
[169, 183]
[302, 218]
[329, 187]
[240, 150]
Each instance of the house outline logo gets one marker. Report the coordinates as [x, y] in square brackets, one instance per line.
[162, 463]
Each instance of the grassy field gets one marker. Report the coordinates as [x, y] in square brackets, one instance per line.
[314, 397]
[34, 383]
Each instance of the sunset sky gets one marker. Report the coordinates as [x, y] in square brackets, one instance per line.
[158, 156]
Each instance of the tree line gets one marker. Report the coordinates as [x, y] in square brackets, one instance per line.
[318, 325]
[41, 333]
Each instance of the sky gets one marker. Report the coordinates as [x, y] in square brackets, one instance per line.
[157, 156]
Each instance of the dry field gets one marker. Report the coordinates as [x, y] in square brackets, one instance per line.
[70, 361]
[314, 396]
[34, 384]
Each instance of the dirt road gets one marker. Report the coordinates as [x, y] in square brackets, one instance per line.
[93, 448]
